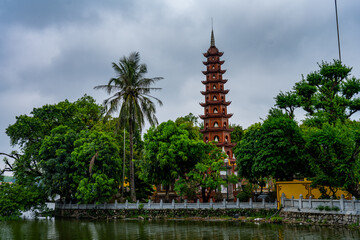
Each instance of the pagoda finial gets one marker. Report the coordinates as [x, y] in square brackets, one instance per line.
[212, 42]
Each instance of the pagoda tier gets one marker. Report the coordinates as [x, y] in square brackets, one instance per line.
[213, 71]
[216, 118]
[212, 62]
[217, 129]
[223, 81]
[208, 102]
[211, 115]
[213, 51]
[214, 91]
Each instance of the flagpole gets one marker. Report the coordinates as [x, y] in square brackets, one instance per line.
[337, 27]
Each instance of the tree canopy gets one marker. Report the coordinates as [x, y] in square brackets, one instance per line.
[273, 148]
[171, 150]
[66, 149]
[28, 132]
[74, 163]
[205, 175]
[327, 95]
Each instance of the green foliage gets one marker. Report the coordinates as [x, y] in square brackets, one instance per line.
[271, 149]
[28, 132]
[327, 95]
[335, 209]
[237, 134]
[69, 165]
[171, 151]
[276, 219]
[243, 196]
[98, 188]
[246, 193]
[66, 144]
[327, 208]
[330, 97]
[15, 198]
[190, 118]
[144, 190]
[288, 101]
[334, 156]
[204, 175]
[320, 208]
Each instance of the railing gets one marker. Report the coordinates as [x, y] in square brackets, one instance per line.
[185, 205]
[310, 204]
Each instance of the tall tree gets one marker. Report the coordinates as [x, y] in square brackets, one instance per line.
[334, 156]
[327, 95]
[131, 92]
[171, 150]
[84, 165]
[271, 149]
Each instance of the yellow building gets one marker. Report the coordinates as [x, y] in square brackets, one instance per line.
[295, 188]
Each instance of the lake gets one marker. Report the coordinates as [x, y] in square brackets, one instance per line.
[133, 229]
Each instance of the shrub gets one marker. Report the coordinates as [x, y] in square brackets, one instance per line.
[321, 208]
[243, 196]
[335, 209]
[327, 208]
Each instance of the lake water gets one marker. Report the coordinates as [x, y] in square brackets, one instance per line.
[80, 229]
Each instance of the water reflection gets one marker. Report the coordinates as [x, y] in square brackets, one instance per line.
[72, 229]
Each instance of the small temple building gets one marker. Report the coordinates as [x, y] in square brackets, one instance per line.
[216, 118]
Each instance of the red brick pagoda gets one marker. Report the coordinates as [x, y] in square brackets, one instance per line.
[216, 118]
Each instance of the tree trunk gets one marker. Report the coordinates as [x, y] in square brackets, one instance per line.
[132, 172]
[123, 176]
[203, 194]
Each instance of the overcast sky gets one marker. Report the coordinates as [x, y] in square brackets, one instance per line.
[60, 49]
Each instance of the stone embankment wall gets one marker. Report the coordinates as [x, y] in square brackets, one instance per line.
[321, 211]
[160, 213]
[331, 218]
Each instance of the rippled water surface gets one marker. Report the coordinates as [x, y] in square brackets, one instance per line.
[80, 229]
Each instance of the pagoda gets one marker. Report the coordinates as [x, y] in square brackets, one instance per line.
[216, 117]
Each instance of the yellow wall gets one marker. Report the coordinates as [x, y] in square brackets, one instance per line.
[295, 188]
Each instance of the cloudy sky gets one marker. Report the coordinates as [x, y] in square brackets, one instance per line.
[60, 49]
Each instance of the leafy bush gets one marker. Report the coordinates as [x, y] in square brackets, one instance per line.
[247, 192]
[327, 208]
[320, 208]
[335, 209]
[243, 196]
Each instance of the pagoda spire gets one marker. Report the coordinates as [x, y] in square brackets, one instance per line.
[212, 42]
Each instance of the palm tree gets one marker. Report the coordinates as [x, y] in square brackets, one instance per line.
[131, 92]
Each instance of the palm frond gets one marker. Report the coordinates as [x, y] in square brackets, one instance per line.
[131, 92]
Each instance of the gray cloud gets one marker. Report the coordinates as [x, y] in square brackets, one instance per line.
[52, 50]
